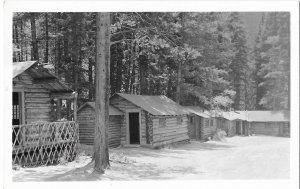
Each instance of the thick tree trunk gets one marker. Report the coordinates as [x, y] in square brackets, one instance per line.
[46, 39]
[58, 49]
[127, 78]
[101, 156]
[16, 31]
[119, 73]
[113, 68]
[143, 75]
[22, 40]
[66, 57]
[132, 80]
[34, 52]
[178, 87]
[178, 82]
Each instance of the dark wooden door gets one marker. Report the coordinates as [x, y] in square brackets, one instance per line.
[134, 128]
[238, 127]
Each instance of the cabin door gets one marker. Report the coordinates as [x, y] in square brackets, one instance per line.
[134, 128]
[238, 127]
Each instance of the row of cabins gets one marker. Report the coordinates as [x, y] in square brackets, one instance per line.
[137, 120]
[157, 120]
[134, 119]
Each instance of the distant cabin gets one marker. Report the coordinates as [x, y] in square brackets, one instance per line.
[273, 123]
[86, 120]
[201, 125]
[233, 123]
[151, 120]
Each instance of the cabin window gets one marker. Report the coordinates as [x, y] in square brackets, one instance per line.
[162, 122]
[179, 120]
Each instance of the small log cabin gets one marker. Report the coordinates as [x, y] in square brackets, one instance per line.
[36, 122]
[272, 123]
[233, 123]
[35, 91]
[201, 125]
[86, 121]
[151, 120]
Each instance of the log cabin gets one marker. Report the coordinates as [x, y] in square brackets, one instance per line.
[86, 121]
[201, 125]
[272, 123]
[151, 121]
[36, 97]
[233, 123]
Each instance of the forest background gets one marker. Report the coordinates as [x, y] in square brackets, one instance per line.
[215, 60]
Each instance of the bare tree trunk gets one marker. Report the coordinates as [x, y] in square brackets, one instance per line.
[22, 41]
[91, 82]
[119, 73]
[143, 74]
[102, 92]
[35, 53]
[179, 63]
[132, 80]
[46, 39]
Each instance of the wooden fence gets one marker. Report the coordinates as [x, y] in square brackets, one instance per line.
[44, 143]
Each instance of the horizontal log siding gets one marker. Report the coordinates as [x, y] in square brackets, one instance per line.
[207, 131]
[37, 99]
[171, 132]
[270, 128]
[124, 105]
[86, 120]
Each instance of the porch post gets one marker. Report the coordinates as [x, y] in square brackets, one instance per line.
[75, 106]
[58, 108]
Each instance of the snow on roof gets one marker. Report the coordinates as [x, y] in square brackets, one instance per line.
[197, 110]
[155, 105]
[20, 67]
[112, 110]
[266, 116]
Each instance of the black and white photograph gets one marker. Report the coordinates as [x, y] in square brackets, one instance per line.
[152, 95]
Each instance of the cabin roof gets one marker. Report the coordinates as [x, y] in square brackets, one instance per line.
[155, 105]
[112, 110]
[20, 67]
[197, 111]
[40, 75]
[266, 116]
[234, 115]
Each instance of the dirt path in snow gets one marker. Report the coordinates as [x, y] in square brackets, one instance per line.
[255, 157]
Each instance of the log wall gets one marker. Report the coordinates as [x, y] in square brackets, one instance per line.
[37, 99]
[86, 120]
[171, 132]
[207, 130]
[270, 128]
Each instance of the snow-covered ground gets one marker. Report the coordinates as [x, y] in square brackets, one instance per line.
[255, 157]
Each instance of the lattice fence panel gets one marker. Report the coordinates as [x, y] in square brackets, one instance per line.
[44, 143]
